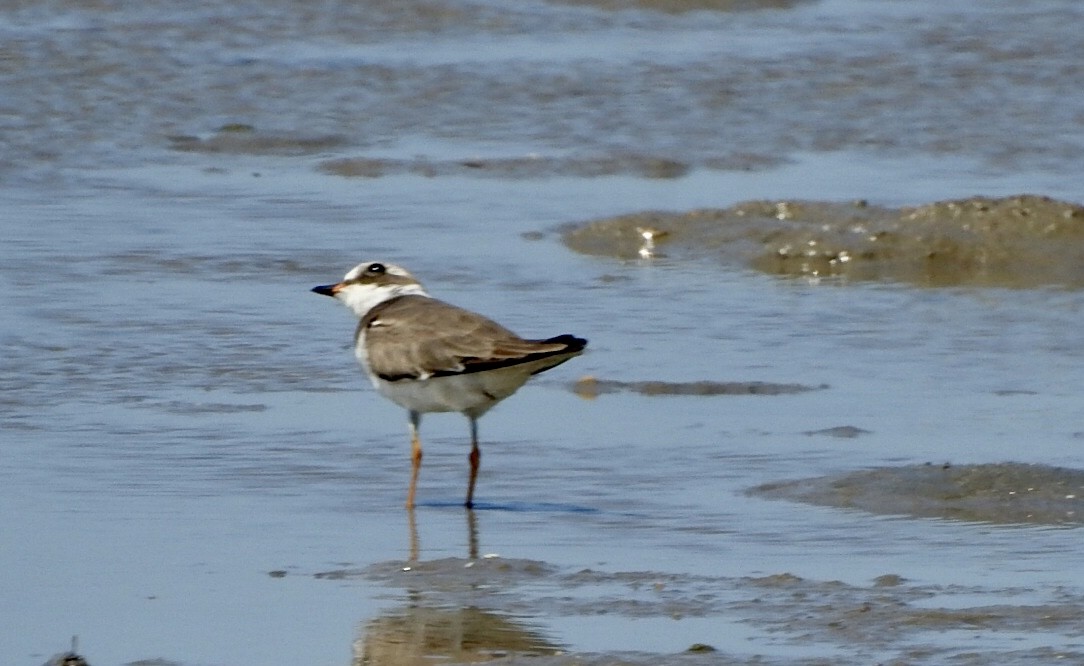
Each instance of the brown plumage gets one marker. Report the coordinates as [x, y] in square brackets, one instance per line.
[435, 339]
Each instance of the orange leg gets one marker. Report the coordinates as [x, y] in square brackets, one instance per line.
[475, 461]
[415, 457]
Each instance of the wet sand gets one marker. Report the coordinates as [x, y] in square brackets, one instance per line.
[480, 609]
[195, 472]
[1008, 493]
[1021, 241]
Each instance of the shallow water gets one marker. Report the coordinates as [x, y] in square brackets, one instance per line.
[181, 417]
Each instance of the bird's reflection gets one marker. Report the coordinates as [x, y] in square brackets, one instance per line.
[429, 629]
[415, 541]
[418, 635]
[472, 535]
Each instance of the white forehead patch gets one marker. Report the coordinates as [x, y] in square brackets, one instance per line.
[390, 269]
[362, 295]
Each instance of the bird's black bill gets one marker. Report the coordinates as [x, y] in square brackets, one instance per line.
[325, 289]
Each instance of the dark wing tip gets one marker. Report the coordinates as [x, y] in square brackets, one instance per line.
[572, 343]
[572, 347]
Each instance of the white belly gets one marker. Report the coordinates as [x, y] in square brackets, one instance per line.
[473, 393]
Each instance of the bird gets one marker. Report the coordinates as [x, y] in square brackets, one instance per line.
[426, 355]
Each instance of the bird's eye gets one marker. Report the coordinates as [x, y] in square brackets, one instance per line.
[376, 269]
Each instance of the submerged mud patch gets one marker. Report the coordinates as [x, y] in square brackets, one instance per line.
[592, 387]
[529, 166]
[841, 432]
[242, 139]
[1006, 493]
[497, 609]
[682, 6]
[1021, 241]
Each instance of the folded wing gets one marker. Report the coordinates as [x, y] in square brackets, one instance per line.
[416, 337]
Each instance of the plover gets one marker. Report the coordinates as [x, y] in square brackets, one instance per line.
[429, 356]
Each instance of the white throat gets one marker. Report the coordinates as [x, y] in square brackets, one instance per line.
[361, 298]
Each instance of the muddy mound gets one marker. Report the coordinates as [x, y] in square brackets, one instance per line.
[1023, 241]
[1004, 493]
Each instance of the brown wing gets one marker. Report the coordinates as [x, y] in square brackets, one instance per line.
[417, 336]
